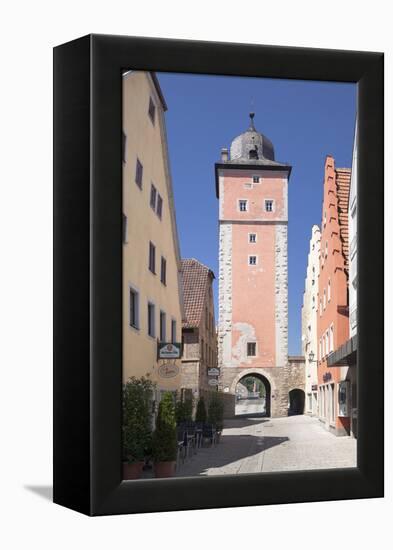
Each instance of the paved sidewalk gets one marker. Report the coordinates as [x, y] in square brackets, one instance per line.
[252, 445]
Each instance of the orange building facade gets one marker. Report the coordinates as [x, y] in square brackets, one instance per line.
[332, 316]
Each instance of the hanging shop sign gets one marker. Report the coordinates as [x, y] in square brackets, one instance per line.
[168, 350]
[213, 371]
[168, 370]
[213, 382]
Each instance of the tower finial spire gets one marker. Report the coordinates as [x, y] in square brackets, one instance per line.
[252, 114]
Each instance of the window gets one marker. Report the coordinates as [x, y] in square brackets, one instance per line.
[159, 206]
[173, 331]
[268, 205]
[255, 179]
[152, 110]
[243, 206]
[324, 218]
[331, 339]
[124, 141]
[134, 308]
[320, 348]
[124, 228]
[313, 302]
[163, 270]
[329, 291]
[326, 249]
[152, 257]
[151, 329]
[320, 306]
[253, 154]
[324, 298]
[251, 349]
[162, 326]
[138, 173]
[252, 237]
[252, 260]
[153, 197]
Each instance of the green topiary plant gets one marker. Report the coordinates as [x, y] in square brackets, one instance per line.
[183, 410]
[200, 415]
[164, 445]
[137, 418]
[215, 414]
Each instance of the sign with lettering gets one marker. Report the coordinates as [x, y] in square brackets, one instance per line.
[168, 370]
[169, 350]
[213, 371]
[213, 382]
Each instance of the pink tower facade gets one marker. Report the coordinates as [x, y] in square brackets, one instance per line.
[252, 189]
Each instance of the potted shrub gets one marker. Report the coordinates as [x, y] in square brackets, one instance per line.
[164, 445]
[200, 415]
[137, 424]
[215, 413]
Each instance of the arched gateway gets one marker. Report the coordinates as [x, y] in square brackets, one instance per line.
[266, 384]
[252, 188]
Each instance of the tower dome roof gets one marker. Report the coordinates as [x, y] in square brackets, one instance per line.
[252, 145]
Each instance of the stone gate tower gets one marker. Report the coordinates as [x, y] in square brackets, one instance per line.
[252, 188]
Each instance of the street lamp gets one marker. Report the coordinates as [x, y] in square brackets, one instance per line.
[311, 357]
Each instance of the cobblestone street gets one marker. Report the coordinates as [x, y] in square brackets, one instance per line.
[252, 445]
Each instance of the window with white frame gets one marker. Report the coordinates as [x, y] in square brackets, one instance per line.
[252, 260]
[152, 110]
[162, 326]
[269, 203]
[152, 257]
[326, 249]
[320, 348]
[151, 328]
[153, 196]
[134, 308]
[252, 237]
[243, 205]
[159, 206]
[173, 331]
[255, 179]
[331, 338]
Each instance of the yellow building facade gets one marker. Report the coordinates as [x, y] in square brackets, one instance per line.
[152, 308]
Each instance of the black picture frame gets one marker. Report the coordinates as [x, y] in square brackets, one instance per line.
[88, 274]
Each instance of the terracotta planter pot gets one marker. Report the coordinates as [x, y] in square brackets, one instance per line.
[164, 469]
[133, 470]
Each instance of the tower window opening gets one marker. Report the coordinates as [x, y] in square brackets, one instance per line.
[251, 349]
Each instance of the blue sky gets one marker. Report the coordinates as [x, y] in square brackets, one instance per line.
[304, 120]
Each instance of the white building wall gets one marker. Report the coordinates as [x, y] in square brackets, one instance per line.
[309, 321]
[352, 235]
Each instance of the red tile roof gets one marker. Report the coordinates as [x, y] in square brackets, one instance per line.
[195, 279]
